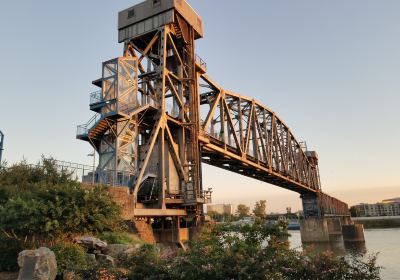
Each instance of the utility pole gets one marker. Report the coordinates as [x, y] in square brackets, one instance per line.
[1, 146]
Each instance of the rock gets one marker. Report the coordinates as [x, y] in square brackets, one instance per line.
[114, 250]
[105, 259]
[70, 275]
[91, 259]
[91, 243]
[168, 253]
[132, 250]
[37, 264]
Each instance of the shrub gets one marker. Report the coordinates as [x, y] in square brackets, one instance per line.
[9, 250]
[70, 257]
[41, 204]
[117, 238]
[248, 252]
[42, 201]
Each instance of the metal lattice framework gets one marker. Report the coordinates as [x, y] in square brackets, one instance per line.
[243, 136]
[242, 129]
[160, 116]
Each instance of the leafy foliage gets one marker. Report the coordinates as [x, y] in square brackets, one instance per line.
[247, 252]
[69, 257]
[41, 200]
[260, 209]
[243, 210]
[9, 249]
[119, 237]
[41, 204]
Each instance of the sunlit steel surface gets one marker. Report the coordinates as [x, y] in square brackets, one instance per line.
[158, 116]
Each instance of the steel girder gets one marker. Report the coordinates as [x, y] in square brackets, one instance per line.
[243, 136]
[253, 141]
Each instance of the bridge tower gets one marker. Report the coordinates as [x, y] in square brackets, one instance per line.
[158, 116]
[147, 113]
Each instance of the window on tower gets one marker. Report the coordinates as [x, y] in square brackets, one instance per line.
[131, 13]
[156, 3]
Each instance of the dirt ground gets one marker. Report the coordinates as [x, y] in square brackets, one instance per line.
[8, 275]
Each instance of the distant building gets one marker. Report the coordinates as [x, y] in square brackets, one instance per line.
[220, 208]
[392, 200]
[388, 207]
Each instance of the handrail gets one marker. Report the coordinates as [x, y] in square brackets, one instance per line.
[83, 129]
[1, 145]
[201, 62]
[96, 97]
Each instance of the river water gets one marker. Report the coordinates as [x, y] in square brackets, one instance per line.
[385, 242]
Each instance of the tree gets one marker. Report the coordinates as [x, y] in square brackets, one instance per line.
[260, 209]
[242, 210]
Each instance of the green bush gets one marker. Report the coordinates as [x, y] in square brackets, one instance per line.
[70, 257]
[9, 250]
[117, 238]
[41, 204]
[42, 201]
[248, 252]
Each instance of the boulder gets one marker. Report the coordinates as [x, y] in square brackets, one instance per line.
[91, 243]
[70, 275]
[91, 259]
[132, 250]
[114, 250]
[37, 264]
[105, 259]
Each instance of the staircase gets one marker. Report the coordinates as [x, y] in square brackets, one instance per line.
[178, 30]
[93, 129]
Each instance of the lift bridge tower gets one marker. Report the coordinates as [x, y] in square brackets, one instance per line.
[147, 112]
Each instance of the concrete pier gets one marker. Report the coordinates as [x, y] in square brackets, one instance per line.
[353, 233]
[334, 226]
[314, 230]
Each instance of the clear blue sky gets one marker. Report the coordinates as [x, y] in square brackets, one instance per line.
[329, 69]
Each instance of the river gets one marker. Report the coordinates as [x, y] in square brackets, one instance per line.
[385, 242]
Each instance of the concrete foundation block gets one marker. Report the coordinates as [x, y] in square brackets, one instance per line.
[353, 233]
[334, 226]
[314, 230]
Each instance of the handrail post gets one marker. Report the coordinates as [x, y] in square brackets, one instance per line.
[1, 146]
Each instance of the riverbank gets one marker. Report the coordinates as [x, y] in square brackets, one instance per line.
[378, 222]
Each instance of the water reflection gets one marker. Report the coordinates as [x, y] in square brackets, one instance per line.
[356, 248]
[336, 245]
[382, 241]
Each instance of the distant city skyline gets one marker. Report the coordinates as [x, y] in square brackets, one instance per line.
[328, 69]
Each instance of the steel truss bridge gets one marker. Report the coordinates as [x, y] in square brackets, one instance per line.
[158, 116]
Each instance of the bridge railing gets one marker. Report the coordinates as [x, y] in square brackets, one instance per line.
[332, 206]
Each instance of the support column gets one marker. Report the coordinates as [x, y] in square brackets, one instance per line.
[352, 232]
[314, 230]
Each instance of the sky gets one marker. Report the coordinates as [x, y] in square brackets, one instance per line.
[329, 69]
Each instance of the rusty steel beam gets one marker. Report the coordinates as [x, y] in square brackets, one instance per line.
[178, 117]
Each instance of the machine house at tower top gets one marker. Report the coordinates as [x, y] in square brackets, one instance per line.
[152, 14]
